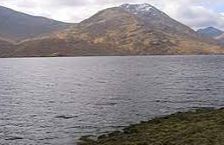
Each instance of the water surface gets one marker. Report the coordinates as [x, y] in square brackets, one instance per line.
[56, 100]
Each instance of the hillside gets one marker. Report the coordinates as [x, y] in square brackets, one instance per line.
[16, 26]
[6, 48]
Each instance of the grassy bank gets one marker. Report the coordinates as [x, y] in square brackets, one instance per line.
[199, 127]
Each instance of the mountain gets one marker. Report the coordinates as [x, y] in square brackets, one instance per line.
[210, 32]
[16, 26]
[139, 29]
[130, 32]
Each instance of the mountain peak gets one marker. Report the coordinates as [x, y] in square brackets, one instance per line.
[156, 19]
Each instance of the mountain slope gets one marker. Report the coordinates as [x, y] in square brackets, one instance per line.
[121, 31]
[6, 48]
[17, 26]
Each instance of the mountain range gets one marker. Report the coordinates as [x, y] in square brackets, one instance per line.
[130, 29]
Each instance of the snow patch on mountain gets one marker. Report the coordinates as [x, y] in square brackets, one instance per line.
[138, 8]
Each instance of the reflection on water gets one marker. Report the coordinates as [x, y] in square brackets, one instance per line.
[56, 100]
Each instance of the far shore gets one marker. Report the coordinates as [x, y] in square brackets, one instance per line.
[204, 126]
[77, 56]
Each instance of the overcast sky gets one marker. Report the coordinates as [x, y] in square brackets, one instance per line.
[194, 13]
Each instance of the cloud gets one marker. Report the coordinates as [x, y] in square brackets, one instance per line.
[194, 13]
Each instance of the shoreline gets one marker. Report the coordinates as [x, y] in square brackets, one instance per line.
[204, 126]
[77, 56]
